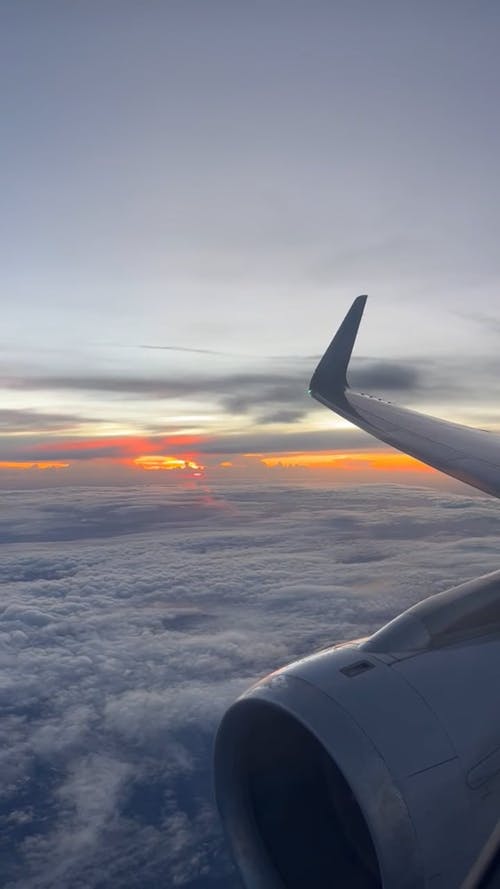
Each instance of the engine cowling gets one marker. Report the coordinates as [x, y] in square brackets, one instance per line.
[374, 763]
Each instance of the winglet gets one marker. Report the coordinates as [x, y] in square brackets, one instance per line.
[329, 380]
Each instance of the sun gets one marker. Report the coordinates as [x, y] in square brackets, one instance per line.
[165, 462]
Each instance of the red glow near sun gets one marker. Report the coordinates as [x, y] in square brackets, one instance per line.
[126, 445]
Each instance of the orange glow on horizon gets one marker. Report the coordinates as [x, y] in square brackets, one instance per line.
[155, 462]
[348, 461]
[182, 455]
[38, 464]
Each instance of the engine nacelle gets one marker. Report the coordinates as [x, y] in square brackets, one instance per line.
[374, 763]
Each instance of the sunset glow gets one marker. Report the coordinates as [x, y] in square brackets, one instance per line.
[125, 453]
[17, 464]
[378, 460]
[156, 462]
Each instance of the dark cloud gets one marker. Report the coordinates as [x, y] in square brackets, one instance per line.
[72, 451]
[154, 388]
[412, 375]
[237, 393]
[290, 415]
[248, 442]
[269, 384]
[386, 376]
[34, 449]
[253, 396]
[264, 397]
[285, 442]
[25, 420]
[123, 642]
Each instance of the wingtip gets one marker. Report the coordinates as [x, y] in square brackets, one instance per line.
[330, 376]
[358, 305]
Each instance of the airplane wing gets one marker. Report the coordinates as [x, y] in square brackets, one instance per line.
[470, 455]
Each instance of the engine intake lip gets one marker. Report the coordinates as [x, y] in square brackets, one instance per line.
[294, 776]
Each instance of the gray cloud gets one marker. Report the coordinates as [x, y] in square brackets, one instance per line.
[489, 323]
[264, 398]
[266, 385]
[287, 415]
[243, 390]
[386, 376]
[224, 354]
[269, 442]
[188, 349]
[269, 386]
[24, 420]
[262, 395]
[268, 397]
[248, 442]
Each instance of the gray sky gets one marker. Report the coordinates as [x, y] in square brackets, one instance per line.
[228, 176]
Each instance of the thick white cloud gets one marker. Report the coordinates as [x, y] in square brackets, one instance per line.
[130, 619]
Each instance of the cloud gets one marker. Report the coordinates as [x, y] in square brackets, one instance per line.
[488, 323]
[224, 354]
[287, 415]
[130, 619]
[271, 385]
[276, 442]
[189, 350]
[278, 395]
[248, 442]
[386, 376]
[26, 420]
[153, 388]
[247, 389]
[254, 402]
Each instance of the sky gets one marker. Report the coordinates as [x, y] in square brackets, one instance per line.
[131, 617]
[192, 195]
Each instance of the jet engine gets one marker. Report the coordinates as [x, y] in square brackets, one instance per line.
[374, 763]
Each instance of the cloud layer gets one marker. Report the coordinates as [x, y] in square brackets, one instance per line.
[130, 619]
[217, 416]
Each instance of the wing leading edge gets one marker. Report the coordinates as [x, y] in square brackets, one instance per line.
[470, 455]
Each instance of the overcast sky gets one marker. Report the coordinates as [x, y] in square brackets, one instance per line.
[226, 177]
